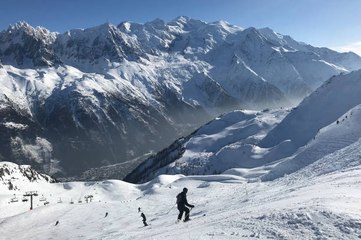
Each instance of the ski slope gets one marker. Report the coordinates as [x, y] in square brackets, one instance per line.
[321, 201]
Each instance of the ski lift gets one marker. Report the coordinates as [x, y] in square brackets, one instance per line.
[14, 199]
[25, 199]
[42, 199]
[88, 198]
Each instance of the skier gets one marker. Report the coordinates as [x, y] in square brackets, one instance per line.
[181, 205]
[106, 214]
[57, 222]
[144, 219]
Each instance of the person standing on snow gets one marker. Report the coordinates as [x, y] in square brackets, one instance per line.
[181, 205]
[144, 219]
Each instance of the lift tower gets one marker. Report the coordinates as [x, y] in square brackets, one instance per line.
[31, 194]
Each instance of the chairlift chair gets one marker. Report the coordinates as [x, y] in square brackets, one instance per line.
[42, 199]
[14, 199]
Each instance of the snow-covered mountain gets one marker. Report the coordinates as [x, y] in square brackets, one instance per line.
[104, 95]
[227, 142]
[266, 145]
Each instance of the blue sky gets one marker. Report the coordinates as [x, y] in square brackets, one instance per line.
[329, 23]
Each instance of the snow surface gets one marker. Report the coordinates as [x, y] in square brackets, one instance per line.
[229, 141]
[329, 140]
[321, 108]
[322, 204]
[267, 145]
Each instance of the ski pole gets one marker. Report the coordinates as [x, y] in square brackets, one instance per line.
[171, 209]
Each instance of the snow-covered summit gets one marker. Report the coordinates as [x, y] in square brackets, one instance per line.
[96, 96]
[41, 32]
[24, 45]
[227, 26]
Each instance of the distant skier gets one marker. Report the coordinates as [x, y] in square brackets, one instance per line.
[138, 209]
[57, 222]
[182, 203]
[144, 219]
[106, 214]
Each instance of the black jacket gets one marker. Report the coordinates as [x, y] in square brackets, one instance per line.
[183, 200]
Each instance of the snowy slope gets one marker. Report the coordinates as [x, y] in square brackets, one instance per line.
[324, 106]
[13, 176]
[266, 145]
[320, 205]
[229, 141]
[330, 139]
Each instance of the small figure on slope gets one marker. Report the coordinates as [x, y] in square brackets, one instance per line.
[181, 205]
[144, 219]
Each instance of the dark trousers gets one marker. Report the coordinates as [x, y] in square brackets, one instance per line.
[181, 209]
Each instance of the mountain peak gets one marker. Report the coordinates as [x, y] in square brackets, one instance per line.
[227, 26]
[181, 19]
[93, 32]
[187, 22]
[157, 22]
[253, 32]
[269, 31]
[104, 28]
[26, 27]
[20, 25]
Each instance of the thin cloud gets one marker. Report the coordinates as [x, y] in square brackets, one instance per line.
[352, 47]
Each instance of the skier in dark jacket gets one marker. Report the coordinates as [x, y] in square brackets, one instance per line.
[182, 203]
[144, 219]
